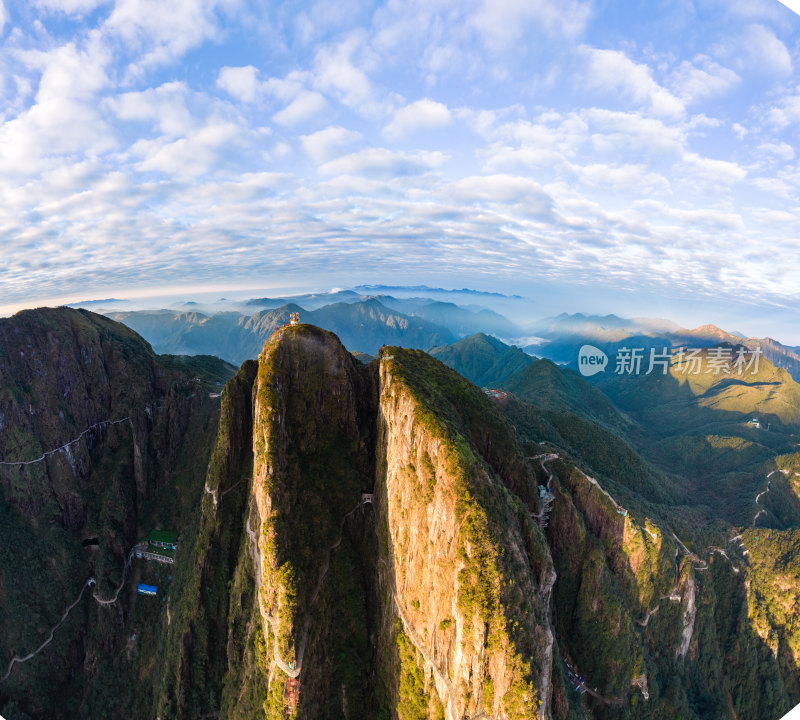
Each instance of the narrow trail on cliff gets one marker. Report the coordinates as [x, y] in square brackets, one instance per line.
[125, 570]
[213, 493]
[99, 600]
[18, 660]
[582, 687]
[273, 621]
[65, 445]
[547, 587]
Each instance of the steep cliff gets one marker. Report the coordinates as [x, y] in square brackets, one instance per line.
[384, 568]
[100, 441]
[462, 562]
[313, 455]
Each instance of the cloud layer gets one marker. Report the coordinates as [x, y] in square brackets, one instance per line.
[197, 141]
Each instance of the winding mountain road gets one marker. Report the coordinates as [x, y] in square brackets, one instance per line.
[113, 599]
[18, 660]
[760, 495]
[100, 601]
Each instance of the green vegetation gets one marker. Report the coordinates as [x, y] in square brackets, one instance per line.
[483, 459]
[113, 484]
[414, 700]
[192, 673]
[482, 359]
[707, 631]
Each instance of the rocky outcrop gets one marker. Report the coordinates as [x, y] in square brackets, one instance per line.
[313, 457]
[380, 509]
[463, 561]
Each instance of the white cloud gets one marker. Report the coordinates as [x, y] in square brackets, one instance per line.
[503, 24]
[70, 7]
[197, 153]
[289, 87]
[701, 78]
[613, 131]
[612, 70]
[627, 178]
[766, 52]
[282, 149]
[778, 150]
[713, 173]
[3, 16]
[164, 105]
[503, 190]
[326, 144]
[305, 106]
[420, 115]
[384, 163]
[132, 134]
[757, 51]
[164, 31]
[336, 73]
[659, 212]
[239, 82]
[64, 117]
[786, 111]
[775, 187]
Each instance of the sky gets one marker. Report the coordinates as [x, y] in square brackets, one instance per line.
[629, 156]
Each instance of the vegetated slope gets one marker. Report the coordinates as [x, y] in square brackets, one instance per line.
[698, 427]
[194, 663]
[433, 597]
[113, 444]
[658, 628]
[655, 628]
[313, 454]
[773, 601]
[549, 387]
[471, 573]
[689, 395]
[564, 335]
[362, 326]
[482, 359]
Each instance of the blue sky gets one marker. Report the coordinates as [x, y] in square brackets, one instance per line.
[605, 156]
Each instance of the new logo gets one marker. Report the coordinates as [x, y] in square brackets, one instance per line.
[591, 360]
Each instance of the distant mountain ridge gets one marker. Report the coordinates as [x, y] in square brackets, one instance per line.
[365, 326]
[565, 334]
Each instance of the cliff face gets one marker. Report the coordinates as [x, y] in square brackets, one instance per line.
[95, 433]
[313, 454]
[384, 569]
[463, 564]
[199, 653]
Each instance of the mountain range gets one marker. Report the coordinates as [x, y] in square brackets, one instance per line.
[364, 324]
[382, 538]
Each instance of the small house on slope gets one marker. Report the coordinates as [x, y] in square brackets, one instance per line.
[159, 545]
